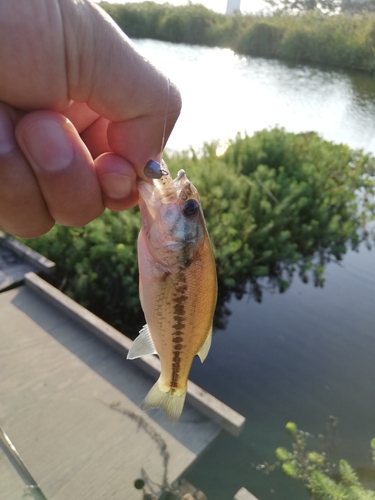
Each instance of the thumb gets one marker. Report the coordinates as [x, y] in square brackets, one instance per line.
[105, 70]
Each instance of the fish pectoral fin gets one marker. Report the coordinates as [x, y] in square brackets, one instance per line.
[205, 347]
[142, 345]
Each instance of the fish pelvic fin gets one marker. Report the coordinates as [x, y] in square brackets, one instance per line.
[169, 400]
[142, 345]
[202, 353]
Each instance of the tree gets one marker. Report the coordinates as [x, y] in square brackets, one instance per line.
[357, 6]
[301, 6]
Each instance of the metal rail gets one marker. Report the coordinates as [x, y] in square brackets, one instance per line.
[14, 458]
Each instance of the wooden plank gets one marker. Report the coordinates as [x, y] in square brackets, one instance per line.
[16, 260]
[71, 407]
[207, 404]
[12, 275]
[244, 494]
[188, 491]
[11, 485]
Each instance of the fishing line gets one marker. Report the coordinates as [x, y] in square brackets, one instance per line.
[162, 171]
[154, 170]
[165, 117]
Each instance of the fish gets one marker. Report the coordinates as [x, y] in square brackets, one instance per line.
[177, 286]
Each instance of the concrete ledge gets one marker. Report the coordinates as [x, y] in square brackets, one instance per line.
[244, 494]
[34, 258]
[207, 404]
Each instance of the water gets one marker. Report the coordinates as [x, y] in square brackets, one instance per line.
[225, 93]
[308, 353]
[300, 356]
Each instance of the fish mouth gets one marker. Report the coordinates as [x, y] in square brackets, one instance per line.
[171, 219]
[181, 174]
[166, 190]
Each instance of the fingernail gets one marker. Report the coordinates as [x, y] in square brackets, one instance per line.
[48, 145]
[116, 186]
[159, 157]
[7, 139]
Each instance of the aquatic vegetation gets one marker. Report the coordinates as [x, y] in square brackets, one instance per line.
[313, 468]
[276, 205]
[295, 6]
[278, 202]
[340, 40]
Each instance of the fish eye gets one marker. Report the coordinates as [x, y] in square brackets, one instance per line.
[190, 208]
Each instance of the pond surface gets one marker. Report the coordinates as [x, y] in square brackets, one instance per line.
[225, 93]
[306, 354]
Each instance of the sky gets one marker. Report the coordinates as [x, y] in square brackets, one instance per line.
[217, 5]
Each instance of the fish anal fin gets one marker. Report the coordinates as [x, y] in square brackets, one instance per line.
[142, 345]
[170, 401]
[205, 347]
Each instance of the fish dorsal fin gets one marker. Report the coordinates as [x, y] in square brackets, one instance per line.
[142, 345]
[205, 347]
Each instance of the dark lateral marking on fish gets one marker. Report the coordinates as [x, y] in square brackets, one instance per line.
[178, 327]
[179, 316]
[178, 309]
[175, 369]
[182, 276]
[180, 298]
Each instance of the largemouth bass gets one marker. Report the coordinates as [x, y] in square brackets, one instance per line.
[178, 286]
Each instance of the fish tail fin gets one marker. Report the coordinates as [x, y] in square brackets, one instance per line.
[169, 400]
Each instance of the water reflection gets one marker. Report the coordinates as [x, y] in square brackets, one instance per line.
[308, 353]
[225, 93]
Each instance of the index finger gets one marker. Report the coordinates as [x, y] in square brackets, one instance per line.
[105, 70]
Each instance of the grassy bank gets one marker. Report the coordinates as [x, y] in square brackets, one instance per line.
[276, 204]
[341, 40]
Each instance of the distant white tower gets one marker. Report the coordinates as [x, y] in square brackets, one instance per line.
[233, 6]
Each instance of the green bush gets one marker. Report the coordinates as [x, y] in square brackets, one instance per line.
[275, 203]
[193, 24]
[343, 40]
[262, 39]
[333, 42]
[189, 24]
[293, 194]
[138, 20]
[97, 265]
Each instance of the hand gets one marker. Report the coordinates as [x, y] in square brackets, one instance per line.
[81, 113]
